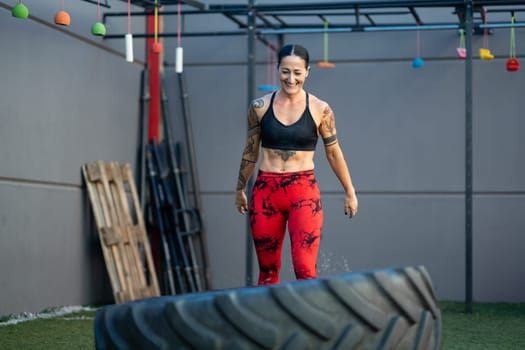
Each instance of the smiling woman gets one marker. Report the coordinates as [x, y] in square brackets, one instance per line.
[284, 126]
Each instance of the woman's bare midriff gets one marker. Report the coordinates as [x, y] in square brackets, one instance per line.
[281, 161]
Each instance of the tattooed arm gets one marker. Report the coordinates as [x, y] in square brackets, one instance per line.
[336, 159]
[249, 155]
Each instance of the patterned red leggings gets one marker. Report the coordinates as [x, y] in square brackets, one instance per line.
[278, 198]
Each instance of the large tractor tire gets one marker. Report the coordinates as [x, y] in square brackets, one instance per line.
[376, 309]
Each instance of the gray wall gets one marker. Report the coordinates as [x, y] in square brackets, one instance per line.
[66, 100]
[70, 98]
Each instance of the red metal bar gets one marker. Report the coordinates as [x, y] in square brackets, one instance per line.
[154, 62]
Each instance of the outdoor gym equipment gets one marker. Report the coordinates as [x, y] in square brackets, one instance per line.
[156, 47]
[98, 28]
[20, 10]
[325, 63]
[513, 64]
[271, 64]
[129, 37]
[62, 17]
[376, 309]
[484, 52]
[418, 62]
[178, 50]
[461, 50]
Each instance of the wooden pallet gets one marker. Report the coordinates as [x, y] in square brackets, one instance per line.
[125, 245]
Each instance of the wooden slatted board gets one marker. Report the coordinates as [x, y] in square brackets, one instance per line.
[121, 228]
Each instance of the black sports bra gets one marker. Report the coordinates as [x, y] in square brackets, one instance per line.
[300, 136]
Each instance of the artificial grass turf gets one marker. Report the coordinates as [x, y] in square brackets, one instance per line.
[72, 331]
[497, 326]
[490, 326]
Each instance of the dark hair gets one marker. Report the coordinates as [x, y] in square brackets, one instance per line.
[293, 50]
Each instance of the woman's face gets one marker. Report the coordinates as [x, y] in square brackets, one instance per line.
[292, 74]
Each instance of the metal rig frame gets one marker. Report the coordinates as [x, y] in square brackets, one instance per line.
[257, 20]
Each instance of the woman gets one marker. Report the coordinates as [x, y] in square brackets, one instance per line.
[284, 126]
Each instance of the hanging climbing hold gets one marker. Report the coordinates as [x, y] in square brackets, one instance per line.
[20, 11]
[156, 47]
[418, 62]
[325, 63]
[98, 29]
[461, 50]
[485, 54]
[513, 64]
[62, 18]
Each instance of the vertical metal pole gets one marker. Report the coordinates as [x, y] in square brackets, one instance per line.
[468, 157]
[251, 97]
[144, 108]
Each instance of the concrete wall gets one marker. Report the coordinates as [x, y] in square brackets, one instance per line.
[68, 98]
[403, 133]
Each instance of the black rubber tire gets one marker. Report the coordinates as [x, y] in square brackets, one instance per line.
[376, 309]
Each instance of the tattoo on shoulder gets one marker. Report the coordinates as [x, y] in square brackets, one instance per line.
[328, 121]
[258, 103]
[253, 122]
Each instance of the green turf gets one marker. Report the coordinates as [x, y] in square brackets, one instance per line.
[490, 326]
[71, 331]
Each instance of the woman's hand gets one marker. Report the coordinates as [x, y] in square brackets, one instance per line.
[351, 205]
[241, 202]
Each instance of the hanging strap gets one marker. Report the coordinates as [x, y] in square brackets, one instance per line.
[326, 24]
[512, 52]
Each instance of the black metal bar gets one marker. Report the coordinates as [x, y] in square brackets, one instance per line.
[343, 5]
[171, 212]
[468, 157]
[194, 176]
[369, 18]
[144, 105]
[272, 14]
[251, 96]
[235, 20]
[151, 3]
[156, 213]
[105, 4]
[197, 4]
[168, 35]
[356, 12]
[415, 15]
[165, 218]
[163, 13]
[185, 229]
[362, 4]
[316, 29]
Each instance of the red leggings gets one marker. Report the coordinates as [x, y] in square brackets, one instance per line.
[278, 198]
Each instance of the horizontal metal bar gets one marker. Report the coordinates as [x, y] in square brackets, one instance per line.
[411, 27]
[384, 28]
[160, 13]
[197, 4]
[168, 35]
[105, 4]
[501, 25]
[352, 13]
[304, 30]
[344, 5]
